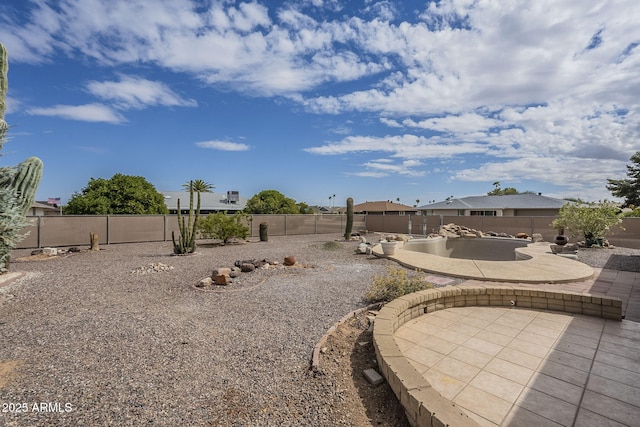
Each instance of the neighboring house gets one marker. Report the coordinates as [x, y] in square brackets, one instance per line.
[507, 205]
[43, 209]
[384, 208]
[209, 202]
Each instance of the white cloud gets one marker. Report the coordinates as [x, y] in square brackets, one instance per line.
[368, 174]
[223, 145]
[85, 113]
[518, 85]
[137, 93]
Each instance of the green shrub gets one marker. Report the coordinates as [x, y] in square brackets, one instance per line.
[331, 246]
[588, 219]
[224, 227]
[396, 283]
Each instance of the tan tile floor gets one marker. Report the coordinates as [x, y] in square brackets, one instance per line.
[521, 367]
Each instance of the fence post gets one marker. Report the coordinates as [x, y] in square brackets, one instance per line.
[39, 230]
[108, 230]
[285, 224]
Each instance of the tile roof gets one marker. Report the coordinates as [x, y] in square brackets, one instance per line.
[382, 206]
[512, 201]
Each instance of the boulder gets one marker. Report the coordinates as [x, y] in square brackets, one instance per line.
[207, 281]
[537, 237]
[247, 267]
[362, 248]
[289, 260]
[221, 270]
[222, 279]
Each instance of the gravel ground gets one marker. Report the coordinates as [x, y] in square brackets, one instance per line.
[622, 259]
[85, 333]
[120, 348]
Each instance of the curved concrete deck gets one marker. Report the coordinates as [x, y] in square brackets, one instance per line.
[542, 267]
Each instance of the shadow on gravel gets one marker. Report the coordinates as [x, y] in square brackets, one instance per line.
[381, 405]
[623, 263]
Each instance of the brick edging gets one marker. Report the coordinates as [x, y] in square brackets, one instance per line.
[424, 406]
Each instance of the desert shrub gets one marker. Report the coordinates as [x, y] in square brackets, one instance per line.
[224, 227]
[331, 246]
[396, 283]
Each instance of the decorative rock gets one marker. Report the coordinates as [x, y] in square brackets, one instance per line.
[289, 261]
[222, 279]
[235, 272]
[221, 270]
[537, 237]
[247, 268]
[207, 281]
[362, 248]
[522, 236]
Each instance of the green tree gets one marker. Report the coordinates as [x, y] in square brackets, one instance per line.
[271, 202]
[588, 219]
[629, 188]
[497, 191]
[221, 226]
[121, 194]
[304, 208]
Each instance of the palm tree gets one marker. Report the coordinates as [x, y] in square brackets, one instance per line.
[198, 186]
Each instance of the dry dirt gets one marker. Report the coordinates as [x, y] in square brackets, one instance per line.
[349, 351]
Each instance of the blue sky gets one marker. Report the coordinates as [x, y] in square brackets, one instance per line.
[375, 100]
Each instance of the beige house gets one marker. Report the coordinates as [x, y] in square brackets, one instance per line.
[43, 209]
[384, 208]
[508, 205]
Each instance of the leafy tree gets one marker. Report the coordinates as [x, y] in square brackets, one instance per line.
[629, 189]
[304, 208]
[589, 220]
[497, 191]
[221, 226]
[271, 202]
[121, 194]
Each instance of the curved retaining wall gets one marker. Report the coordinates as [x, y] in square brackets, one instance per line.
[424, 406]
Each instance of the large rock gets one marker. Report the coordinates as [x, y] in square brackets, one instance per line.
[222, 279]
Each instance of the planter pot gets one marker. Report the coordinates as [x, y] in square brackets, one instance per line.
[389, 248]
[561, 240]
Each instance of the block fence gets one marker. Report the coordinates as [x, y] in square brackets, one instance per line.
[424, 406]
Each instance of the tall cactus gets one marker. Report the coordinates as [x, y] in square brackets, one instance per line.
[347, 231]
[186, 243]
[25, 182]
[4, 84]
[18, 184]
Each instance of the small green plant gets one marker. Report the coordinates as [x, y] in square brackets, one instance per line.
[395, 283]
[331, 246]
[224, 227]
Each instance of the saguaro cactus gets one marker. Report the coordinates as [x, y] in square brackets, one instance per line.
[4, 84]
[347, 231]
[18, 184]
